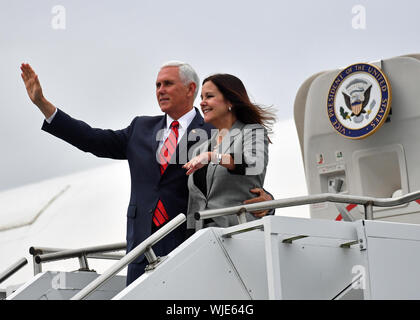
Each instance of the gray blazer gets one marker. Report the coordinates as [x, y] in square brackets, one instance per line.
[248, 143]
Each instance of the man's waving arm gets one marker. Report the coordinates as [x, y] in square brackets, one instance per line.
[100, 142]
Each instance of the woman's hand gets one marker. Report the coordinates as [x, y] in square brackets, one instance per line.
[197, 162]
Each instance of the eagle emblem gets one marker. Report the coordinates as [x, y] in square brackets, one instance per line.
[357, 95]
[359, 100]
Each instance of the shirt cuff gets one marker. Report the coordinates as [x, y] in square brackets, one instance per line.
[51, 118]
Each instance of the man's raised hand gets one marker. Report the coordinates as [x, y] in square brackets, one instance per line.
[33, 87]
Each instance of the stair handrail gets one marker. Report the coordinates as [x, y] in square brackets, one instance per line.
[42, 251]
[367, 202]
[13, 269]
[131, 256]
[57, 254]
[37, 251]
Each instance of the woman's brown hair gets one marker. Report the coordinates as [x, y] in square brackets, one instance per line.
[234, 91]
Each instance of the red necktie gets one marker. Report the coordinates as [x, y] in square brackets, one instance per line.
[169, 146]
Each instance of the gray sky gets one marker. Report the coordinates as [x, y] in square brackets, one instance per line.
[102, 67]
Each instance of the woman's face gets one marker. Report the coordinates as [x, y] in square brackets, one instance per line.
[214, 106]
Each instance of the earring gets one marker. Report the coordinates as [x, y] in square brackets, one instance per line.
[230, 108]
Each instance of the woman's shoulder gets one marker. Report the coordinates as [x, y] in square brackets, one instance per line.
[251, 126]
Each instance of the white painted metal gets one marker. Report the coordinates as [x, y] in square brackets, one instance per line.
[255, 264]
[382, 165]
[198, 269]
[52, 285]
[130, 257]
[259, 264]
[393, 260]
[272, 258]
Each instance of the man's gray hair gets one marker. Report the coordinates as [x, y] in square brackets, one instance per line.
[186, 73]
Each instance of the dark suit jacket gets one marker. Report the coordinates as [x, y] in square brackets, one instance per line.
[137, 143]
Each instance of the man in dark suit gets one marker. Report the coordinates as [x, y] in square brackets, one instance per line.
[158, 192]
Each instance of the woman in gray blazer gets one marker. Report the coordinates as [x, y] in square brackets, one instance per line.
[234, 160]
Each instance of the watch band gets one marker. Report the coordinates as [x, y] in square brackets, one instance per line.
[216, 158]
[219, 158]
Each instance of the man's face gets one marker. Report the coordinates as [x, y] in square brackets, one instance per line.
[173, 96]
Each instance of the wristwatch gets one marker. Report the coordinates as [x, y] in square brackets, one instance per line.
[217, 158]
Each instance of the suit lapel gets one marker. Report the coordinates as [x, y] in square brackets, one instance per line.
[157, 135]
[196, 124]
[202, 148]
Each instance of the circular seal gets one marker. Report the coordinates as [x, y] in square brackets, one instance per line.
[359, 101]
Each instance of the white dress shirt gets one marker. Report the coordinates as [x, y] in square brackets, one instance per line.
[184, 122]
[52, 116]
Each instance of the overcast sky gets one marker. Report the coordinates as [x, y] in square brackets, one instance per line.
[102, 66]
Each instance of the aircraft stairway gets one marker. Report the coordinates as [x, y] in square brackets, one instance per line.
[289, 258]
[271, 258]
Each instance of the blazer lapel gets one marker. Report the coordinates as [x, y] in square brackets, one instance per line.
[227, 142]
[211, 167]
